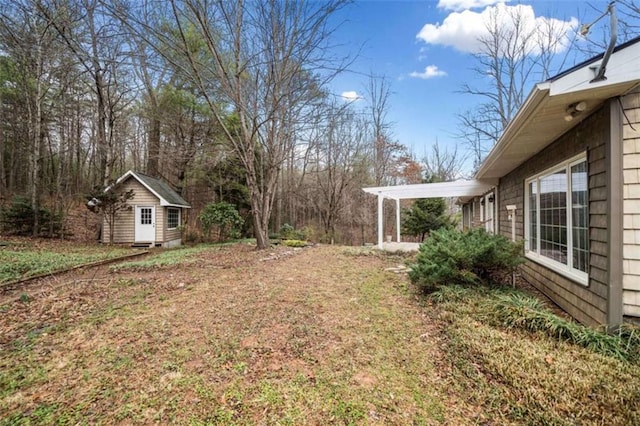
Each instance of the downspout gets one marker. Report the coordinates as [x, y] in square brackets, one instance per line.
[615, 228]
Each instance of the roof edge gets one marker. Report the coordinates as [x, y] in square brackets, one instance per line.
[131, 173]
[539, 92]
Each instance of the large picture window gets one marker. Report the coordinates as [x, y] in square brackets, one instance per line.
[556, 218]
[173, 218]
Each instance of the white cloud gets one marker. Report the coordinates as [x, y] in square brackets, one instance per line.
[430, 71]
[350, 96]
[467, 4]
[462, 30]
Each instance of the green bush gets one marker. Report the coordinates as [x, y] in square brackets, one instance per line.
[294, 243]
[224, 217]
[19, 219]
[450, 256]
[288, 232]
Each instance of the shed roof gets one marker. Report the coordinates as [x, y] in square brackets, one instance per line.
[167, 196]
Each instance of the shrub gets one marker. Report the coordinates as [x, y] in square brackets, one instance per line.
[288, 232]
[525, 312]
[223, 216]
[19, 219]
[294, 243]
[450, 256]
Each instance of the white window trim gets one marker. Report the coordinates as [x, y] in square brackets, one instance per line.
[566, 270]
[179, 218]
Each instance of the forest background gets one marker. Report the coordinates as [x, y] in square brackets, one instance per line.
[227, 101]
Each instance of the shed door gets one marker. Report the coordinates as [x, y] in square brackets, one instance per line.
[145, 229]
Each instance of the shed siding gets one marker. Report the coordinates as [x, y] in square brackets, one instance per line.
[631, 209]
[125, 220]
[588, 304]
[171, 234]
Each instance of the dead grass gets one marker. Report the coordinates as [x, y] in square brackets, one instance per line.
[318, 335]
[516, 377]
[308, 336]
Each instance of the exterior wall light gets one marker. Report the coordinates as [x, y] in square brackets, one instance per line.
[574, 110]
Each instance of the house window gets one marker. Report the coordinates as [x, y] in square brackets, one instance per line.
[556, 218]
[173, 218]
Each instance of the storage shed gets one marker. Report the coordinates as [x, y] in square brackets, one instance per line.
[154, 214]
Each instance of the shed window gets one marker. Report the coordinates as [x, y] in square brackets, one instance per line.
[173, 218]
[556, 218]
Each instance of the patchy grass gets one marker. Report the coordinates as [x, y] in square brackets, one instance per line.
[316, 336]
[313, 337]
[164, 258]
[24, 261]
[516, 361]
[170, 257]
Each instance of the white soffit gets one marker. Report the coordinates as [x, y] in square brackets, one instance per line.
[458, 188]
[541, 119]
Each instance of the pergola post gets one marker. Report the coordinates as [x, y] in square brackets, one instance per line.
[398, 220]
[380, 222]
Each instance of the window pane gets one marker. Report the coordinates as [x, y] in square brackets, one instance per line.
[533, 217]
[173, 218]
[553, 216]
[145, 216]
[579, 216]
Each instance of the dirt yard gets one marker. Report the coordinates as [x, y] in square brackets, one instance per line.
[288, 336]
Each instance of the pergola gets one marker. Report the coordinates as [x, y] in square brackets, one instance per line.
[455, 189]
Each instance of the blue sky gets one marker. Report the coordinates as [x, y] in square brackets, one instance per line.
[426, 71]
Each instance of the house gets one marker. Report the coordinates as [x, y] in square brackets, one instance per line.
[565, 179]
[154, 214]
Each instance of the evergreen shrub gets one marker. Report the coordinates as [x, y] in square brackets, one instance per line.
[288, 232]
[223, 216]
[450, 256]
[18, 218]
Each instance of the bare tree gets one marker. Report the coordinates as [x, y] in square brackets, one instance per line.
[378, 93]
[514, 55]
[443, 165]
[338, 156]
[265, 58]
[31, 41]
[95, 39]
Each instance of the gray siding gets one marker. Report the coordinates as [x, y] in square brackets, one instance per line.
[588, 304]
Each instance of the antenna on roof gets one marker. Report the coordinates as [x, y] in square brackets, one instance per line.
[584, 30]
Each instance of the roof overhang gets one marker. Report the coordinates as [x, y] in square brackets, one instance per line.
[455, 189]
[543, 118]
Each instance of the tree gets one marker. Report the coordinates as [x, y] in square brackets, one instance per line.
[424, 216]
[109, 203]
[378, 95]
[442, 164]
[513, 54]
[266, 58]
[31, 41]
[95, 40]
[338, 154]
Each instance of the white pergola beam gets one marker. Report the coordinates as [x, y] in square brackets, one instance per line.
[456, 189]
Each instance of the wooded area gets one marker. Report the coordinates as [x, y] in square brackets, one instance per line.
[227, 101]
